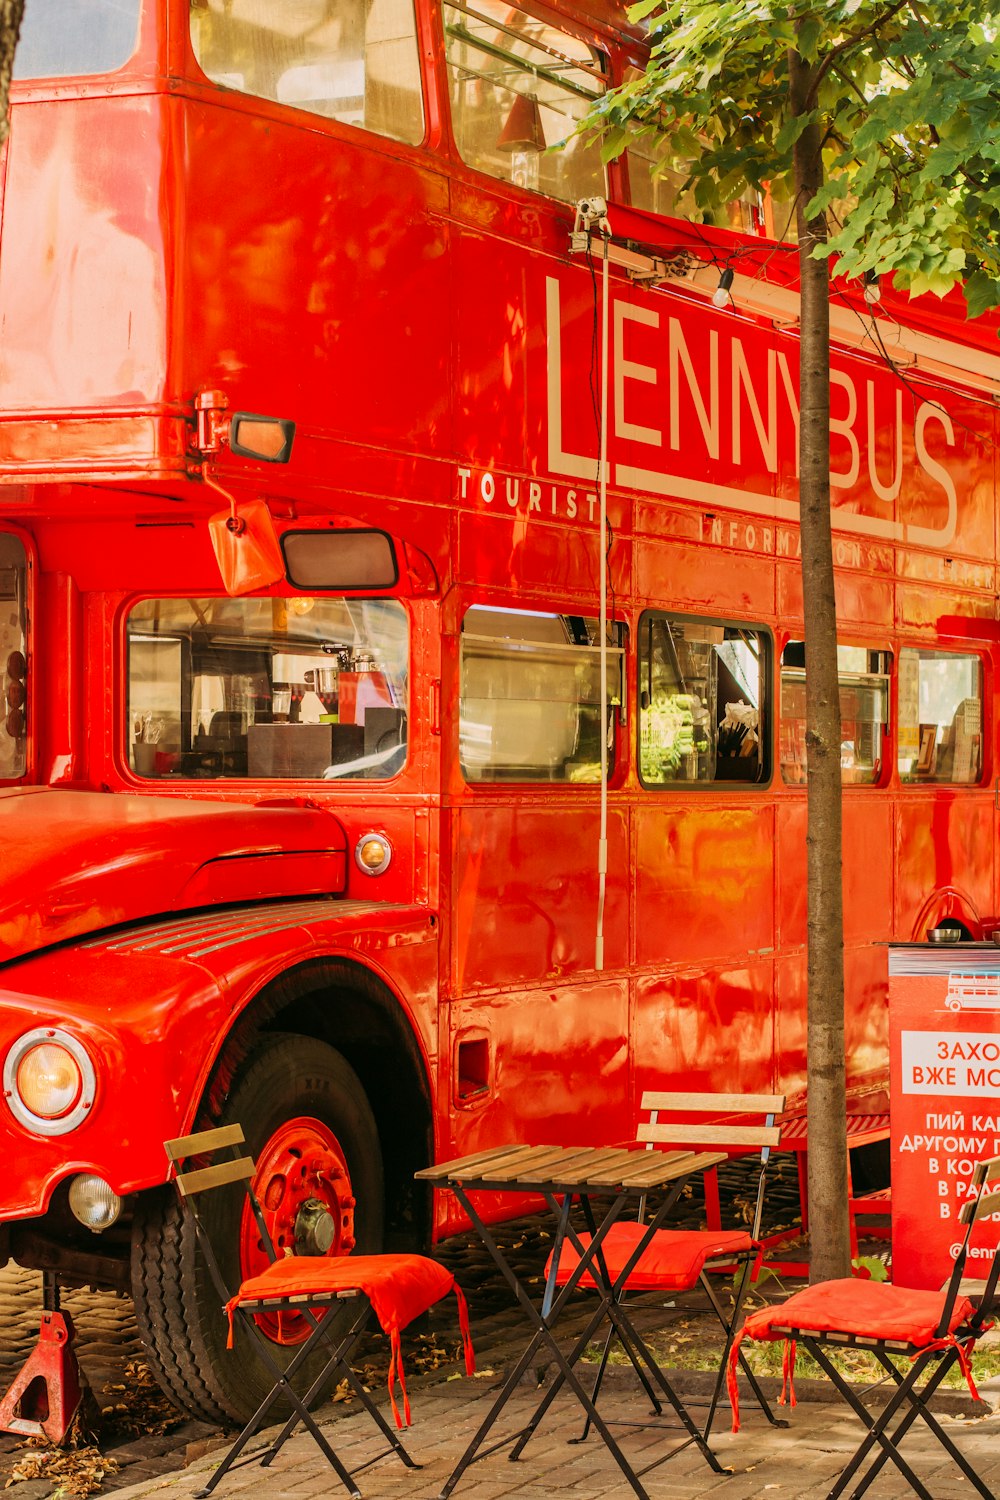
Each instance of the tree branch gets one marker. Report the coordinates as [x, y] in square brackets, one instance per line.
[841, 47]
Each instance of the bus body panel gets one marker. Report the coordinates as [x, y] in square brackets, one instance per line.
[153, 1004]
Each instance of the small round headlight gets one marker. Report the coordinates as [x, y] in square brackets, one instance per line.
[372, 853]
[93, 1202]
[48, 1081]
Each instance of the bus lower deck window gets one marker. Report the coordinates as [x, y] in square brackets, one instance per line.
[940, 716]
[530, 707]
[863, 674]
[300, 688]
[704, 713]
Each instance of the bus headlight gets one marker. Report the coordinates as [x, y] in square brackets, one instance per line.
[93, 1202]
[48, 1081]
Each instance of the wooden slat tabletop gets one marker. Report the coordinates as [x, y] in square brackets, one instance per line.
[565, 1169]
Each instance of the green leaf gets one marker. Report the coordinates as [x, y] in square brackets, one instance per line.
[873, 1265]
[982, 291]
[791, 130]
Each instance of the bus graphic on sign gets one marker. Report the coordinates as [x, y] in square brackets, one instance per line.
[973, 992]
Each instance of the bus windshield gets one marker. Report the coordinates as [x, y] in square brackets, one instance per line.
[273, 689]
[67, 38]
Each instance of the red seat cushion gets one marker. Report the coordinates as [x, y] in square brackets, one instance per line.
[869, 1309]
[399, 1288]
[672, 1262]
[873, 1309]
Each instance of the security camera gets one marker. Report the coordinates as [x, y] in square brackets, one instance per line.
[592, 210]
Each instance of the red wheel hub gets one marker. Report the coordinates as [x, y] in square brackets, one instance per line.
[304, 1189]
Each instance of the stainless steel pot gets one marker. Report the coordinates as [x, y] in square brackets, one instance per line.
[322, 679]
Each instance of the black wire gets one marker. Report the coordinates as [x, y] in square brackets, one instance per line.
[886, 358]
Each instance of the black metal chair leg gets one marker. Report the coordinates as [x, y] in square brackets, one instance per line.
[918, 1407]
[282, 1387]
[729, 1328]
[875, 1428]
[338, 1357]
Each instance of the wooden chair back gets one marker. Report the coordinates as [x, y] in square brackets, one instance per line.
[238, 1166]
[734, 1122]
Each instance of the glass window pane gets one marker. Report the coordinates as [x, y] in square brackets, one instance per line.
[519, 86]
[354, 61]
[530, 706]
[702, 701]
[268, 688]
[13, 657]
[940, 716]
[64, 38]
[864, 713]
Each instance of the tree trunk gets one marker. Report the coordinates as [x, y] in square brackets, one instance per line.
[827, 1103]
[11, 12]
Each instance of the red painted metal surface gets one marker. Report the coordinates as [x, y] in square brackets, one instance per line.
[75, 862]
[429, 333]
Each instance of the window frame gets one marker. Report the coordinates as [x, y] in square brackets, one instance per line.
[768, 697]
[184, 783]
[921, 651]
[605, 69]
[888, 734]
[31, 704]
[309, 119]
[617, 755]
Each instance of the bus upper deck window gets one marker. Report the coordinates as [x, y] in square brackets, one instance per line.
[518, 86]
[354, 61]
[13, 658]
[863, 674]
[940, 716]
[69, 38]
[274, 689]
[530, 707]
[703, 701]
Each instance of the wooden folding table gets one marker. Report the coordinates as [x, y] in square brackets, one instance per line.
[565, 1176]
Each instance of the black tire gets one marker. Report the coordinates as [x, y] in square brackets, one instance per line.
[177, 1304]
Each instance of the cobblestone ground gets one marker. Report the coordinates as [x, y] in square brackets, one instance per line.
[760, 1463]
[150, 1443]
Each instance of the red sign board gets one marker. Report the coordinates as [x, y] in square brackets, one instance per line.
[944, 1026]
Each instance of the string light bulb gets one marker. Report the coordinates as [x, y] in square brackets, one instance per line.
[873, 290]
[722, 297]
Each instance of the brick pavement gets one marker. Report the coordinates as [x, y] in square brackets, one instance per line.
[798, 1463]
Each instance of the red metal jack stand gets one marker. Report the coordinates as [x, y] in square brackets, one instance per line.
[47, 1391]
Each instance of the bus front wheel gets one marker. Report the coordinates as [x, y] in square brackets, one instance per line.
[310, 1129]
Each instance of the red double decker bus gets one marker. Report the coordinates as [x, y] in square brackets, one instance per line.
[321, 855]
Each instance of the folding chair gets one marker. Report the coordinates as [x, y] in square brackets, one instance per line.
[678, 1260]
[935, 1330]
[397, 1288]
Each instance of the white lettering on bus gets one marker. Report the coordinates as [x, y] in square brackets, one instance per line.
[767, 435]
[756, 417]
[627, 369]
[930, 412]
[887, 492]
[708, 417]
[844, 427]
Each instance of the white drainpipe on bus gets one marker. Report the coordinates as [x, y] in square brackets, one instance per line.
[602, 468]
